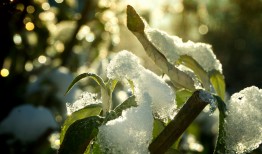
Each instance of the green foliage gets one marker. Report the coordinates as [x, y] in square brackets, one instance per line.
[82, 126]
[218, 82]
[95, 77]
[88, 111]
[79, 135]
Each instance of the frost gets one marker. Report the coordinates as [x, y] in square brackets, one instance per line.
[173, 47]
[28, 123]
[243, 123]
[131, 133]
[85, 99]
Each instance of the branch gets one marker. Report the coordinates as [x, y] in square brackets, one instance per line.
[179, 124]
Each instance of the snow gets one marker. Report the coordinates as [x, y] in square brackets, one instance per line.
[125, 65]
[173, 47]
[207, 97]
[132, 132]
[86, 98]
[27, 123]
[243, 123]
[163, 97]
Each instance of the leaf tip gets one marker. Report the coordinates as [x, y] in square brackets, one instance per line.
[134, 21]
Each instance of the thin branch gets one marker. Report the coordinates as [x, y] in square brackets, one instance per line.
[179, 124]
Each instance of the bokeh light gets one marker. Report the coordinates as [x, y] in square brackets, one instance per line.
[45, 6]
[203, 29]
[29, 66]
[29, 26]
[59, 1]
[17, 39]
[30, 9]
[4, 72]
[42, 59]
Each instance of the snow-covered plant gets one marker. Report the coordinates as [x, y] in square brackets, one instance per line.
[149, 121]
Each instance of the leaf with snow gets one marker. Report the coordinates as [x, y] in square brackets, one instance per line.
[178, 78]
[87, 111]
[168, 52]
[243, 124]
[130, 133]
[125, 65]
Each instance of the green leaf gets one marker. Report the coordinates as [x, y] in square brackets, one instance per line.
[157, 128]
[112, 84]
[129, 102]
[220, 144]
[93, 148]
[90, 110]
[131, 83]
[182, 96]
[198, 70]
[134, 22]
[218, 82]
[79, 135]
[95, 77]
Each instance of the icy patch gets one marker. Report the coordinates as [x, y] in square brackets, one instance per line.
[131, 133]
[173, 47]
[85, 99]
[243, 123]
[27, 123]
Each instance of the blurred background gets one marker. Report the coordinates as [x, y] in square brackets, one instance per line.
[44, 44]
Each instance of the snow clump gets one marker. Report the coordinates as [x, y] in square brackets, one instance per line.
[132, 132]
[86, 98]
[243, 123]
[172, 47]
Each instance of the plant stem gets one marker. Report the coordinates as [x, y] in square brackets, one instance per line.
[190, 110]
